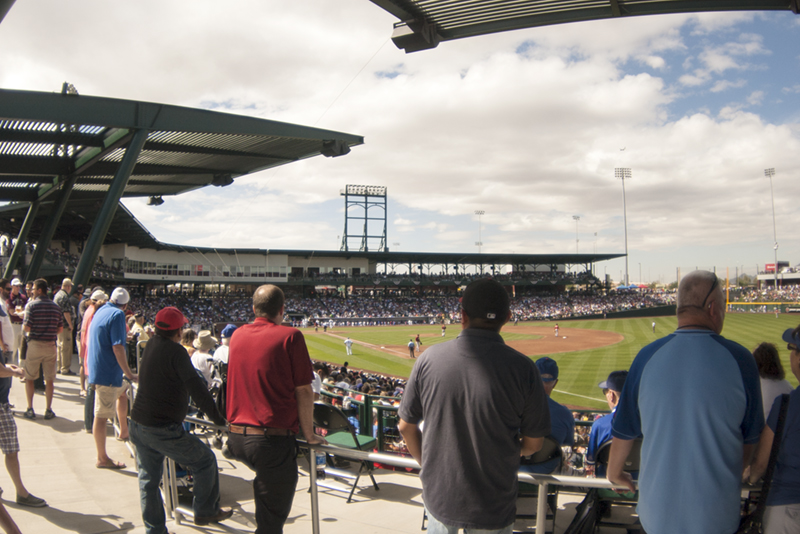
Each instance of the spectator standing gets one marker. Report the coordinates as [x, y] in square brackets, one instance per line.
[476, 396]
[269, 399]
[16, 302]
[138, 329]
[43, 322]
[202, 359]
[62, 299]
[108, 362]
[782, 515]
[771, 374]
[166, 380]
[222, 352]
[9, 443]
[696, 386]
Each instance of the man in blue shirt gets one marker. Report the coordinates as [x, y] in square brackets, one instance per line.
[108, 361]
[601, 428]
[695, 399]
[562, 423]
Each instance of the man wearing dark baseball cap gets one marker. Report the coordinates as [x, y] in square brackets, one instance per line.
[166, 380]
[484, 406]
[562, 422]
[601, 428]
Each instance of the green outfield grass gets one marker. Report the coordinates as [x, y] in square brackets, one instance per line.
[580, 371]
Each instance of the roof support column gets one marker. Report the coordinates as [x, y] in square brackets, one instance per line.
[50, 228]
[91, 249]
[19, 247]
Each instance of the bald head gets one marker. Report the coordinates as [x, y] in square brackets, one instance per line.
[701, 300]
[268, 301]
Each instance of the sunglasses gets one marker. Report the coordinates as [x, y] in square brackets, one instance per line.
[792, 348]
[713, 287]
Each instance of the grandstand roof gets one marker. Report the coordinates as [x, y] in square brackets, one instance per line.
[80, 214]
[47, 137]
[424, 23]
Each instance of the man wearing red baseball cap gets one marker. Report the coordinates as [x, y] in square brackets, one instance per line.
[166, 380]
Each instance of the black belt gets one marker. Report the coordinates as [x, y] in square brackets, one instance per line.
[260, 431]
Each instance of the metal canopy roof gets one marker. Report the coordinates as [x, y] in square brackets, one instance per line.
[76, 223]
[47, 137]
[424, 23]
[79, 216]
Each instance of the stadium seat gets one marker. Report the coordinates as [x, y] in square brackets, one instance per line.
[341, 433]
[609, 498]
[550, 451]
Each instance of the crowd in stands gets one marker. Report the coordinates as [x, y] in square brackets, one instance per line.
[203, 311]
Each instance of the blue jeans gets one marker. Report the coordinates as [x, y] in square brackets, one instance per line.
[437, 527]
[152, 445]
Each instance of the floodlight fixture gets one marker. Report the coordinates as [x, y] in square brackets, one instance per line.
[576, 218]
[222, 180]
[479, 242]
[624, 173]
[769, 173]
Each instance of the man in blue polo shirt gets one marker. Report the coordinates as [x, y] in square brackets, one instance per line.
[695, 398]
[108, 361]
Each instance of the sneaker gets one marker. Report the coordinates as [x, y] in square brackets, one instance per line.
[49, 414]
[69, 372]
[223, 514]
[31, 500]
[29, 414]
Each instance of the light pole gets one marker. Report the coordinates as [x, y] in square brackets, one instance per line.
[769, 173]
[624, 173]
[576, 218]
[479, 242]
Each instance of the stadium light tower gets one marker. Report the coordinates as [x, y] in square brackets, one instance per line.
[576, 218]
[624, 173]
[479, 242]
[769, 173]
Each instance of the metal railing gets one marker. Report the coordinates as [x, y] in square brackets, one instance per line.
[178, 512]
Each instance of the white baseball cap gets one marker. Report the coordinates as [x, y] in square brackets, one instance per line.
[120, 296]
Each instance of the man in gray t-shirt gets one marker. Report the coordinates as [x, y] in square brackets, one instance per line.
[484, 406]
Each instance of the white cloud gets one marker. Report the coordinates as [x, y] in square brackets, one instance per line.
[724, 85]
[755, 98]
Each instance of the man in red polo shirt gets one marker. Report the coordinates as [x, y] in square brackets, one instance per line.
[269, 399]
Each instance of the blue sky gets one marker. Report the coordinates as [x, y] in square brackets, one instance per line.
[527, 126]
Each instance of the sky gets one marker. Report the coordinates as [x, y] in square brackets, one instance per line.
[527, 126]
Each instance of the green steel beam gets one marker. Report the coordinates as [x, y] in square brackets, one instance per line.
[118, 113]
[101, 225]
[19, 247]
[50, 228]
[5, 6]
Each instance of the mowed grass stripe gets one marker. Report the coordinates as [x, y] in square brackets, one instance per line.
[579, 371]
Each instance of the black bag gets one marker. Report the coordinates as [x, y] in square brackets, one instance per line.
[587, 514]
[752, 522]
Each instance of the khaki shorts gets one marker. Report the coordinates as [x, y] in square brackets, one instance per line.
[105, 400]
[40, 353]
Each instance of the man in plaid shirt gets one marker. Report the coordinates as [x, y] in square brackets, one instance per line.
[43, 322]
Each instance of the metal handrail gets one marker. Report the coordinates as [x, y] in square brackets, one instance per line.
[392, 459]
